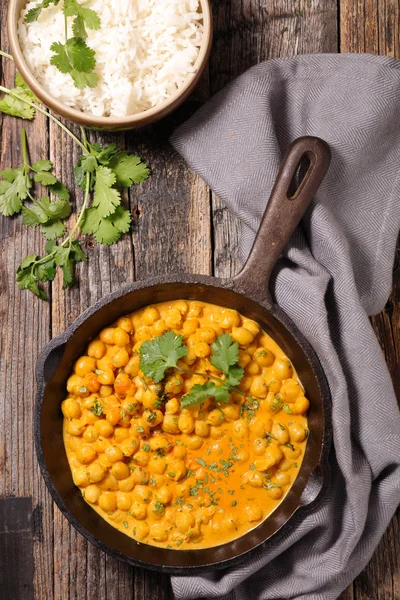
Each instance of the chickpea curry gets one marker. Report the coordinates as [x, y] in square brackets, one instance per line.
[185, 425]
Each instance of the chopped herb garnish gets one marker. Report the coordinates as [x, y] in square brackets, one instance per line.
[146, 447]
[289, 445]
[234, 503]
[126, 524]
[171, 474]
[282, 427]
[158, 508]
[97, 408]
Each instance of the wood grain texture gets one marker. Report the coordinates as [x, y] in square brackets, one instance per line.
[177, 226]
[373, 26]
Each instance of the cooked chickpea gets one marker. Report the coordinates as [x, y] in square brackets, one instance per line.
[170, 424]
[229, 319]
[280, 433]
[92, 494]
[104, 428]
[201, 429]
[242, 336]
[259, 446]
[75, 386]
[132, 367]
[105, 376]
[142, 530]
[254, 478]
[150, 315]
[202, 349]
[184, 521]
[193, 442]
[244, 358]
[71, 409]
[164, 495]
[179, 451]
[259, 387]
[108, 502]
[96, 472]
[282, 368]
[300, 406]
[273, 456]
[105, 391]
[141, 458]
[263, 357]
[81, 477]
[186, 423]
[138, 510]
[107, 335]
[75, 427]
[121, 358]
[129, 446]
[126, 324]
[124, 501]
[172, 406]
[85, 454]
[120, 338]
[231, 411]
[114, 454]
[215, 417]
[253, 513]
[84, 365]
[245, 384]
[282, 478]
[108, 483]
[215, 432]
[291, 453]
[90, 434]
[96, 349]
[176, 469]
[275, 493]
[126, 485]
[173, 318]
[173, 384]
[159, 442]
[120, 470]
[159, 327]
[190, 326]
[252, 368]
[195, 309]
[206, 335]
[157, 465]
[241, 429]
[159, 532]
[297, 432]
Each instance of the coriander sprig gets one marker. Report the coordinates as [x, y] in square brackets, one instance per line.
[101, 170]
[74, 56]
[162, 353]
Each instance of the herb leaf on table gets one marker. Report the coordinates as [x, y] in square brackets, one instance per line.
[17, 107]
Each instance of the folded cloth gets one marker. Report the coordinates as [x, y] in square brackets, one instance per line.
[336, 270]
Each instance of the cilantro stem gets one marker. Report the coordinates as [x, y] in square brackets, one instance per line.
[207, 376]
[24, 146]
[2, 53]
[46, 113]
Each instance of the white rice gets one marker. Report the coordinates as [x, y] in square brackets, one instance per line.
[145, 51]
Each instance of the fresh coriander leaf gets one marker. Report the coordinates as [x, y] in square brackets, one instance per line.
[76, 58]
[106, 198]
[59, 189]
[45, 271]
[45, 178]
[160, 354]
[89, 164]
[29, 273]
[225, 352]
[53, 230]
[234, 375]
[13, 190]
[65, 257]
[198, 394]
[104, 154]
[33, 13]
[42, 165]
[17, 107]
[128, 169]
[85, 17]
[82, 80]
[106, 230]
[221, 393]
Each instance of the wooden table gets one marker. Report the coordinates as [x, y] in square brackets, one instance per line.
[178, 225]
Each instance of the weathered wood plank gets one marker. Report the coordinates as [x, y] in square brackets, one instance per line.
[27, 331]
[373, 27]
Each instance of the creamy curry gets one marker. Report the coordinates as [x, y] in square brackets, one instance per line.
[191, 455]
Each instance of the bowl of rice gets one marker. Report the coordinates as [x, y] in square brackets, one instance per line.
[111, 64]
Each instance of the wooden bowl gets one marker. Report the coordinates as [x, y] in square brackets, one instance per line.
[109, 123]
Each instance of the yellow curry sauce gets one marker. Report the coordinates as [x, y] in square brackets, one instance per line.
[174, 477]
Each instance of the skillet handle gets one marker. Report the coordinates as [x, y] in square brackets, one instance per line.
[283, 214]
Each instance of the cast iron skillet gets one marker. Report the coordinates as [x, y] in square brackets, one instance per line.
[248, 294]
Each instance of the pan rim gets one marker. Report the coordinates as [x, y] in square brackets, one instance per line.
[292, 330]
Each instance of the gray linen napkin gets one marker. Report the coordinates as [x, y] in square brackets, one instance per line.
[336, 271]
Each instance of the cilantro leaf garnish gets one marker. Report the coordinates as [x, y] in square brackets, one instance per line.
[225, 354]
[34, 13]
[84, 17]
[128, 169]
[14, 189]
[160, 354]
[76, 58]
